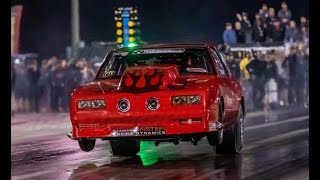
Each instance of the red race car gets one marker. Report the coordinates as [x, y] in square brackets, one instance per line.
[171, 93]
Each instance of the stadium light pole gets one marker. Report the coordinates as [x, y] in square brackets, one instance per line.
[75, 26]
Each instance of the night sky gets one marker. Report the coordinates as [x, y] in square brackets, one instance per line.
[46, 29]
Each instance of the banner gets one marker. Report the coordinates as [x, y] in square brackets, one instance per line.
[16, 13]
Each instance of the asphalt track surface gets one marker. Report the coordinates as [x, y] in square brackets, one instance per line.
[274, 149]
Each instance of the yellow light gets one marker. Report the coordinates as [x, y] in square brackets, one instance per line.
[118, 24]
[119, 40]
[131, 39]
[119, 32]
[131, 31]
[130, 23]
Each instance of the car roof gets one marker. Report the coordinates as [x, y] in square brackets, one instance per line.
[177, 45]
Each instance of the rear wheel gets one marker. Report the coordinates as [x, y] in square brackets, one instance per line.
[124, 147]
[232, 138]
[87, 145]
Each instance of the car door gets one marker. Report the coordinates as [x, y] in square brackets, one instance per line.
[233, 87]
[223, 80]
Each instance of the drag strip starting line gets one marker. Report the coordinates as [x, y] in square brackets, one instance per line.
[296, 119]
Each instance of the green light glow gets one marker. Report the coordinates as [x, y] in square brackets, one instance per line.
[147, 158]
[132, 45]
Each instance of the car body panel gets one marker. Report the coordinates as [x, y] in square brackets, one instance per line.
[174, 119]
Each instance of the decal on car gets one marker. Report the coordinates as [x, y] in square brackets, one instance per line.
[139, 131]
[108, 74]
[120, 53]
[202, 70]
[156, 51]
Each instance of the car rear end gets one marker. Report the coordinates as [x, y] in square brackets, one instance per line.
[144, 114]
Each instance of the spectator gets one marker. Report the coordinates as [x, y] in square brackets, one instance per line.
[271, 86]
[57, 86]
[234, 66]
[269, 23]
[21, 85]
[284, 14]
[73, 78]
[257, 68]
[33, 76]
[246, 26]
[291, 33]
[301, 69]
[239, 32]
[264, 12]
[283, 78]
[43, 89]
[258, 30]
[277, 33]
[304, 22]
[290, 63]
[229, 35]
[243, 66]
[87, 74]
[303, 36]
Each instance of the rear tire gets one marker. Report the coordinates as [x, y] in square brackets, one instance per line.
[87, 145]
[124, 147]
[233, 138]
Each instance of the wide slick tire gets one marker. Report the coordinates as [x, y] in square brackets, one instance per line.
[233, 137]
[87, 145]
[124, 147]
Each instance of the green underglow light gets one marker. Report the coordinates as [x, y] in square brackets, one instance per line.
[132, 45]
[147, 158]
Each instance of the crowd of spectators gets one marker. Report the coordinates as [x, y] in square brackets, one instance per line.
[268, 26]
[47, 87]
[274, 78]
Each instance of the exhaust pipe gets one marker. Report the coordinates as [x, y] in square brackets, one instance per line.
[69, 135]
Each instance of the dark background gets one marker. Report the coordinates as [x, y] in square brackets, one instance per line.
[45, 26]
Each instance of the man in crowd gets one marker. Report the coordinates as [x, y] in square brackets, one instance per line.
[269, 24]
[21, 87]
[290, 63]
[245, 26]
[229, 35]
[234, 66]
[291, 33]
[258, 29]
[304, 22]
[284, 14]
[277, 32]
[73, 79]
[57, 86]
[239, 32]
[33, 76]
[257, 69]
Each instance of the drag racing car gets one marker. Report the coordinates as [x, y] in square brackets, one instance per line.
[160, 93]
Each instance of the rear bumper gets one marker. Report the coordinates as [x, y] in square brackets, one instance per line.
[172, 137]
[103, 126]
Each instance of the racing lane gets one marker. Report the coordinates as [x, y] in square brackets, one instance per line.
[272, 149]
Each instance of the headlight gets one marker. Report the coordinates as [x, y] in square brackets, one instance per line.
[183, 100]
[91, 104]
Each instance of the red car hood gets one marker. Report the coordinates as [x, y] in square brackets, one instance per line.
[141, 79]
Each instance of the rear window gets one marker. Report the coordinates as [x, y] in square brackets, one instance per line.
[189, 61]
